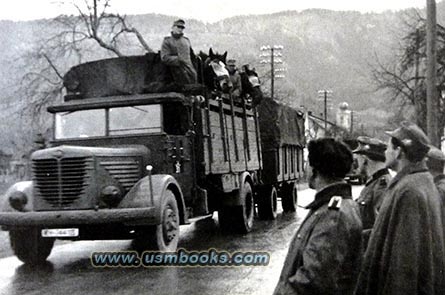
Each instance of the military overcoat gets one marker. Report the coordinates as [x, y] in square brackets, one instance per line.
[176, 52]
[237, 87]
[439, 181]
[370, 200]
[324, 255]
[405, 253]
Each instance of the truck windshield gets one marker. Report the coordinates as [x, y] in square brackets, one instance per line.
[121, 121]
[80, 124]
[135, 120]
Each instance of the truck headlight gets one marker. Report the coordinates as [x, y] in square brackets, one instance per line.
[111, 195]
[18, 200]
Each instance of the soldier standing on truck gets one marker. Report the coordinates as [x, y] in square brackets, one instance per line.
[325, 254]
[371, 162]
[176, 53]
[235, 78]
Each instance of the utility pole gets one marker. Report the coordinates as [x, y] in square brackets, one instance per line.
[272, 73]
[352, 122]
[325, 110]
[431, 89]
[416, 71]
[325, 95]
[355, 121]
[275, 58]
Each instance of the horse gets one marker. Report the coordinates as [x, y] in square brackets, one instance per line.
[251, 85]
[212, 71]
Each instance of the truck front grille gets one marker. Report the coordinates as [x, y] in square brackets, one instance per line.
[126, 171]
[60, 182]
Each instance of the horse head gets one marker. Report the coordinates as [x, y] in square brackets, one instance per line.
[214, 72]
[251, 85]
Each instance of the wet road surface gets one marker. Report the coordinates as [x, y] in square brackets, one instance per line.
[69, 270]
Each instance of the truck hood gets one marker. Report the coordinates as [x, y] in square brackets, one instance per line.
[74, 151]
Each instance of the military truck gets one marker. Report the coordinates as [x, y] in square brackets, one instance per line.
[125, 164]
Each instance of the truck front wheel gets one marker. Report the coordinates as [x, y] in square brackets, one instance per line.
[29, 246]
[163, 237]
[239, 218]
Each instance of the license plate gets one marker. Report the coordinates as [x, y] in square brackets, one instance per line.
[60, 232]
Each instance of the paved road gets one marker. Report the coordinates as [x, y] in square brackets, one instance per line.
[69, 270]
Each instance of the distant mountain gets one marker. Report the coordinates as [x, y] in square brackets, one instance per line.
[322, 50]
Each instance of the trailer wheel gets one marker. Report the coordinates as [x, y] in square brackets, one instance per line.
[29, 246]
[267, 202]
[289, 197]
[239, 218]
[163, 237]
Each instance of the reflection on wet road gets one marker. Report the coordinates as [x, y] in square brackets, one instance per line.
[69, 270]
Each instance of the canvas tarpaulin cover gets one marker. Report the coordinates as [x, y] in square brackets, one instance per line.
[280, 124]
[115, 76]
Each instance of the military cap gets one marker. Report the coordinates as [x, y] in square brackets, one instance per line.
[371, 147]
[411, 137]
[179, 23]
[436, 154]
[330, 157]
[231, 62]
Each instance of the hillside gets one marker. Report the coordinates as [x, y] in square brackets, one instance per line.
[322, 50]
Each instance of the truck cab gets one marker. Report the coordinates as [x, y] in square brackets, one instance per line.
[117, 168]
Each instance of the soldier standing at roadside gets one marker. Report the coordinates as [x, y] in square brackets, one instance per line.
[325, 254]
[435, 163]
[371, 161]
[405, 252]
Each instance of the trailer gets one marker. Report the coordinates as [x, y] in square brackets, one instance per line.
[282, 142]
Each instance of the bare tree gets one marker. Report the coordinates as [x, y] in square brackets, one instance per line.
[43, 79]
[70, 40]
[95, 23]
[405, 76]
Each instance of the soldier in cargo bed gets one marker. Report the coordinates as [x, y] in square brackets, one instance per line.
[177, 53]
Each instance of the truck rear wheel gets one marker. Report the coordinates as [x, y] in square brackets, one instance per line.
[29, 246]
[289, 197]
[163, 237]
[267, 202]
[239, 218]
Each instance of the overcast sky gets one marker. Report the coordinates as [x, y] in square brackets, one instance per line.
[205, 10]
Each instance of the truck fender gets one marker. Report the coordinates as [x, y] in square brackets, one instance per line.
[25, 187]
[140, 194]
[245, 176]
